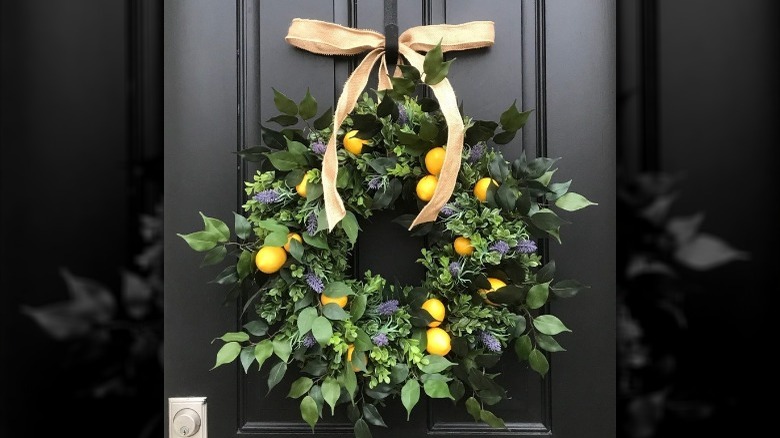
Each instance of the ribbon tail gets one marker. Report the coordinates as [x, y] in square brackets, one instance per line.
[334, 205]
[452, 157]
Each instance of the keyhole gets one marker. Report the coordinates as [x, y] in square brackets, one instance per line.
[184, 431]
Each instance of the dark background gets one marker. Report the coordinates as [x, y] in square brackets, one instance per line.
[80, 147]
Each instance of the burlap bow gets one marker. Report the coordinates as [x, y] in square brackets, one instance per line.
[332, 39]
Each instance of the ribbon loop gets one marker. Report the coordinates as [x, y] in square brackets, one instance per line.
[326, 38]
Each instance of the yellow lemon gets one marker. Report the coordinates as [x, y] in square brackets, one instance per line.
[327, 300]
[481, 188]
[434, 159]
[436, 309]
[426, 187]
[349, 356]
[291, 236]
[463, 246]
[352, 143]
[301, 187]
[495, 284]
[270, 259]
[438, 341]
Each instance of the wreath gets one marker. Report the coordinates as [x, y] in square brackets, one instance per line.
[360, 342]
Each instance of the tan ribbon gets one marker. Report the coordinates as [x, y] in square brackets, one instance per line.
[326, 38]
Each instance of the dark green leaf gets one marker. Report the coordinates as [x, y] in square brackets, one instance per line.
[300, 387]
[519, 327]
[362, 341]
[523, 347]
[398, 373]
[284, 120]
[324, 121]
[349, 380]
[361, 429]
[537, 295]
[550, 325]
[546, 273]
[214, 256]
[567, 288]
[243, 228]
[434, 66]
[305, 320]
[358, 307]
[350, 225]
[366, 124]
[253, 154]
[284, 103]
[487, 360]
[296, 249]
[481, 130]
[273, 139]
[509, 294]
[402, 86]
[459, 347]
[263, 351]
[473, 408]
[228, 353]
[428, 105]
[200, 240]
[317, 240]
[276, 375]
[333, 312]
[428, 129]
[436, 364]
[216, 227]
[282, 348]
[358, 362]
[330, 392]
[322, 330]
[227, 276]
[557, 190]
[506, 197]
[410, 72]
[315, 367]
[548, 343]
[538, 362]
[387, 107]
[244, 265]
[457, 389]
[512, 119]
[247, 356]
[353, 413]
[337, 289]
[257, 327]
[410, 395]
[490, 418]
[499, 169]
[309, 411]
[371, 414]
[286, 160]
[235, 337]
[538, 166]
[504, 137]
[308, 106]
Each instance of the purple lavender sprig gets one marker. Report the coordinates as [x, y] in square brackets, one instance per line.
[489, 341]
[380, 340]
[500, 247]
[477, 151]
[455, 268]
[267, 196]
[314, 282]
[318, 147]
[309, 340]
[387, 308]
[311, 224]
[403, 117]
[526, 247]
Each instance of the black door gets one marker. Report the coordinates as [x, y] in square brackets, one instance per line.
[221, 60]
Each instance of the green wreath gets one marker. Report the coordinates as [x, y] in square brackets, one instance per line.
[360, 342]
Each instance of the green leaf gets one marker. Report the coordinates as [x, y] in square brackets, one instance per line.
[349, 380]
[436, 364]
[317, 240]
[284, 120]
[263, 351]
[523, 347]
[512, 119]
[491, 419]
[272, 226]
[398, 373]
[244, 265]
[410, 72]
[481, 130]
[300, 387]
[457, 389]
[519, 328]
[286, 160]
[350, 226]
[362, 341]
[246, 357]
[322, 330]
[305, 319]
[309, 411]
[567, 288]
[504, 137]
[216, 227]
[243, 228]
[372, 415]
[550, 325]
[275, 239]
[308, 106]
[473, 408]
[573, 201]
[434, 67]
[557, 190]
[538, 362]
[410, 395]
[331, 390]
[387, 107]
[548, 343]
[324, 121]
[228, 353]
[235, 337]
[428, 105]
[337, 289]
[284, 103]
[402, 86]
[227, 276]
[537, 295]
[546, 177]
[257, 327]
[214, 256]
[358, 307]
[440, 74]
[499, 169]
[297, 148]
[437, 389]
[546, 273]
[296, 249]
[333, 312]
[282, 348]
[506, 197]
[276, 375]
[428, 129]
[200, 240]
[361, 429]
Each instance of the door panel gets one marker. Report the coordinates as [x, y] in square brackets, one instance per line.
[222, 58]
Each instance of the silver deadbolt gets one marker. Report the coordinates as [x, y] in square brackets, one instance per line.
[186, 422]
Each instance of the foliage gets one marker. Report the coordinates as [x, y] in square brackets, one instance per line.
[376, 347]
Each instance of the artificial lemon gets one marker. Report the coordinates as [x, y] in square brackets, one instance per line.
[352, 143]
[495, 284]
[270, 259]
[291, 236]
[481, 188]
[349, 356]
[301, 187]
[436, 309]
[434, 159]
[426, 186]
[327, 300]
[463, 246]
[438, 341]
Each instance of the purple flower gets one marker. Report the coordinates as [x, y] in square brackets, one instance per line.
[489, 341]
[403, 117]
[526, 246]
[375, 183]
[455, 269]
[318, 147]
[311, 224]
[387, 308]
[380, 339]
[476, 153]
[309, 341]
[267, 196]
[314, 282]
[446, 211]
[500, 247]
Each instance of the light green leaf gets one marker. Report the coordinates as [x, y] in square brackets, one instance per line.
[276, 375]
[436, 364]
[519, 328]
[243, 228]
[439, 74]
[399, 373]
[244, 265]
[372, 415]
[362, 341]
[362, 430]
[437, 389]
[473, 408]
[350, 226]
[349, 380]
[214, 256]
[285, 160]
[235, 337]
[216, 227]
[284, 103]
[273, 226]
[277, 238]
[246, 357]
[548, 343]
[257, 327]
[331, 390]
[410, 395]
[200, 240]
[305, 319]
[491, 419]
[309, 411]
[358, 307]
[300, 387]
[308, 106]
[549, 325]
[322, 330]
[546, 177]
[337, 289]
[538, 362]
[523, 347]
[537, 295]
[282, 349]
[317, 240]
[228, 353]
[263, 351]
[573, 201]
[333, 312]
[296, 249]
